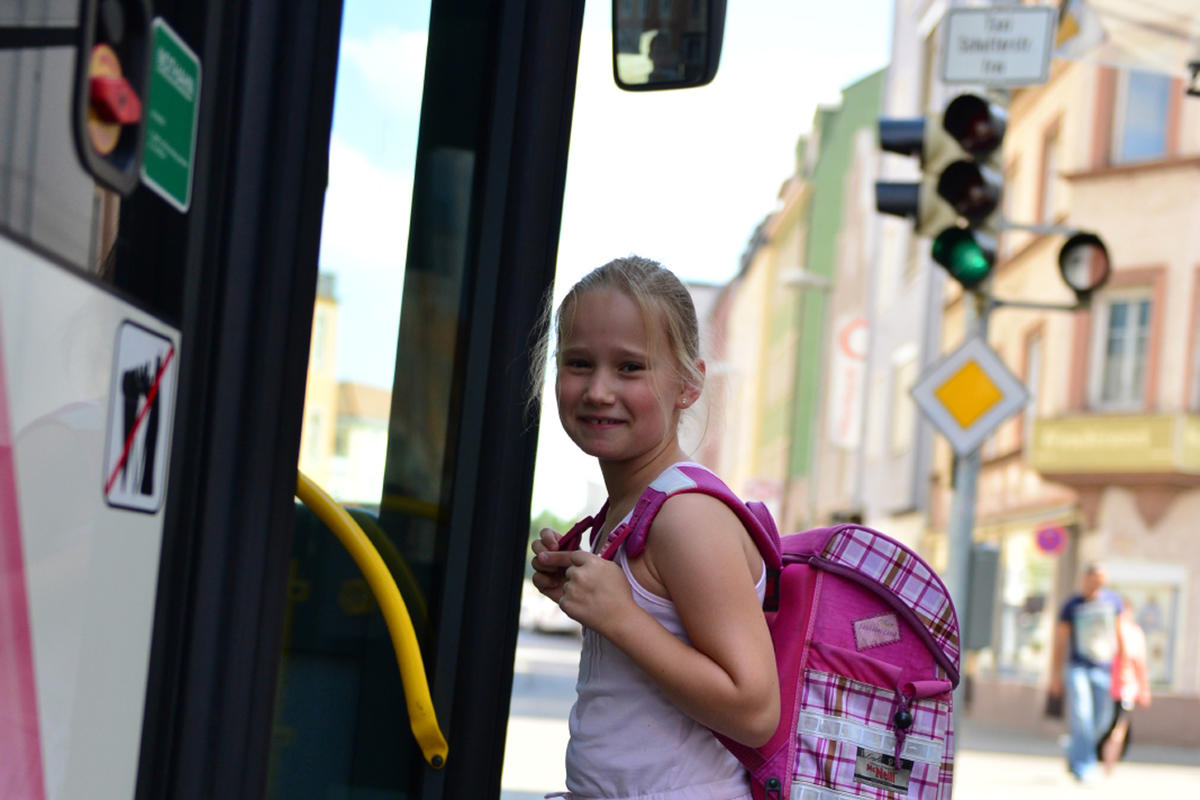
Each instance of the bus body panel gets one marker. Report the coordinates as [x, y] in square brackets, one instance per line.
[89, 569]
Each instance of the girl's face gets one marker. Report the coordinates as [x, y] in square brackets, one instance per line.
[618, 391]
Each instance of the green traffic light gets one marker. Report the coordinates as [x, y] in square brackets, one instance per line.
[965, 257]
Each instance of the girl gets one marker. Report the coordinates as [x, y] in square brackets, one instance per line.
[1130, 687]
[675, 641]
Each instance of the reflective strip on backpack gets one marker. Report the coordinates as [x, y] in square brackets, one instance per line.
[916, 748]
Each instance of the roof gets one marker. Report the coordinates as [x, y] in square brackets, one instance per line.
[364, 402]
[1163, 35]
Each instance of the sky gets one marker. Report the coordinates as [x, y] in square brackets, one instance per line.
[683, 177]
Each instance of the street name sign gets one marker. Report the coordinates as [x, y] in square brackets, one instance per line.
[999, 45]
[968, 393]
[172, 110]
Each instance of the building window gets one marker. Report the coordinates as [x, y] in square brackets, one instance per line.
[1027, 616]
[1140, 117]
[1120, 344]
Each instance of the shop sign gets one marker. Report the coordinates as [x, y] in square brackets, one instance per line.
[1116, 443]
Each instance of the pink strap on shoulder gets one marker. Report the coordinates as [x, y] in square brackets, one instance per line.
[755, 517]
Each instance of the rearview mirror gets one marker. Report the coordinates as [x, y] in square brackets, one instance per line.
[666, 44]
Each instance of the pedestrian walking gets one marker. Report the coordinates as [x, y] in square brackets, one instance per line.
[1086, 642]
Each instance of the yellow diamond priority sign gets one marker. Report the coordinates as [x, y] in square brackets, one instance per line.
[968, 394]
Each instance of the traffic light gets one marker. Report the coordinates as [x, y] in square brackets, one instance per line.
[1084, 264]
[962, 182]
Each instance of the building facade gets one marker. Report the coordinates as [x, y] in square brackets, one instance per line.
[757, 321]
[1104, 463]
[343, 444]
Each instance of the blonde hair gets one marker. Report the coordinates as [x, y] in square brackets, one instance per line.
[659, 294]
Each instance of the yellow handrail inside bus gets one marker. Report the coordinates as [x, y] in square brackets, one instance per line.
[406, 582]
[421, 714]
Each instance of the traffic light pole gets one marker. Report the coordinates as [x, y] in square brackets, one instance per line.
[962, 507]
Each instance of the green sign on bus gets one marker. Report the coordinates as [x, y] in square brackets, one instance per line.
[172, 106]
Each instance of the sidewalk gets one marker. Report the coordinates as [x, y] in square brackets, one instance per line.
[993, 764]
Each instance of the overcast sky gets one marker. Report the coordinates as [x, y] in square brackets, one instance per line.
[682, 177]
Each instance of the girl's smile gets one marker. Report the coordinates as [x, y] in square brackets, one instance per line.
[601, 422]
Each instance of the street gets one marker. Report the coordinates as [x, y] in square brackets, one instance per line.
[991, 764]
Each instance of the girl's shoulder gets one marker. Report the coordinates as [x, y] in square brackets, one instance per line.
[693, 518]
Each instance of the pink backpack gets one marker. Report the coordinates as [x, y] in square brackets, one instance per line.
[867, 648]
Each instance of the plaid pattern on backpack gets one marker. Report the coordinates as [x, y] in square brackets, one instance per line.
[866, 644]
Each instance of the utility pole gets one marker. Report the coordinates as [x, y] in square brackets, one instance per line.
[961, 525]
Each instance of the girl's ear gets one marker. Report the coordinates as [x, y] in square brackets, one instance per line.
[691, 391]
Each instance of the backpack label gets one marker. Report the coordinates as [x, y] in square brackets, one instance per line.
[880, 769]
[876, 631]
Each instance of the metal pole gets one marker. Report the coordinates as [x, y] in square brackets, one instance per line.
[1042, 230]
[962, 508]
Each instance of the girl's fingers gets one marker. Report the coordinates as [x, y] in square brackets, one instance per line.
[547, 542]
[551, 560]
[549, 585]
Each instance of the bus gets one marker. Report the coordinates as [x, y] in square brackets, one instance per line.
[173, 624]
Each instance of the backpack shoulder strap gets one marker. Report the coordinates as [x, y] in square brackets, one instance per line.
[573, 539]
[693, 478]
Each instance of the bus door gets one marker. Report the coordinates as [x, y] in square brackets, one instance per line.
[415, 414]
[159, 262]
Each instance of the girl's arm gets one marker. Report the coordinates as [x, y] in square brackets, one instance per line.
[726, 679]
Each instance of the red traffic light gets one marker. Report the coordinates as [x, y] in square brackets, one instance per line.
[977, 125]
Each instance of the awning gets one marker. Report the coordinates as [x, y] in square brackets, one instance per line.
[1157, 35]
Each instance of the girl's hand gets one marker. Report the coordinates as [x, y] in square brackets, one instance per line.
[547, 579]
[592, 591]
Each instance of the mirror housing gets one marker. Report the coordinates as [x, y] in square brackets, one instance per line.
[666, 44]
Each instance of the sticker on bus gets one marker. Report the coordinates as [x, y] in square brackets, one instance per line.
[139, 419]
[20, 744]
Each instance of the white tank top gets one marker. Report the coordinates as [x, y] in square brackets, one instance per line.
[628, 741]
